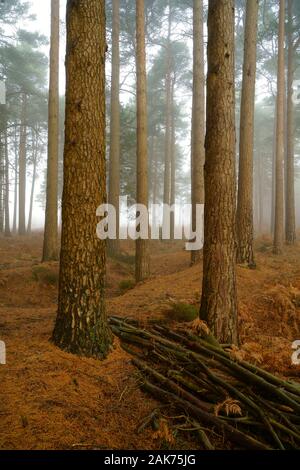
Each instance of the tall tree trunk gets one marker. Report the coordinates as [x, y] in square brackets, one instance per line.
[168, 85]
[32, 184]
[151, 163]
[219, 300]
[198, 118]
[154, 173]
[173, 162]
[22, 167]
[1, 185]
[261, 194]
[155, 168]
[273, 188]
[256, 196]
[7, 218]
[81, 324]
[50, 248]
[279, 194]
[114, 149]
[142, 262]
[245, 187]
[290, 227]
[15, 182]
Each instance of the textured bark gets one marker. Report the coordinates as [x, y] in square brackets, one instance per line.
[114, 149]
[168, 130]
[219, 302]
[152, 163]
[155, 168]
[245, 186]
[7, 231]
[50, 248]
[1, 185]
[261, 191]
[198, 117]
[142, 262]
[290, 224]
[256, 182]
[32, 183]
[273, 189]
[15, 182]
[22, 167]
[81, 324]
[279, 193]
[256, 199]
[173, 162]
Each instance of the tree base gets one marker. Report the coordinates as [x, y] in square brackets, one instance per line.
[95, 343]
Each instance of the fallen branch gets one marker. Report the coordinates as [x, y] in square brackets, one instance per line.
[202, 379]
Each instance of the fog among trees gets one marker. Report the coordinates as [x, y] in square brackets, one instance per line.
[172, 320]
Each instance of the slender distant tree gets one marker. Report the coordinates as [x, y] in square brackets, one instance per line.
[219, 300]
[23, 66]
[7, 231]
[15, 213]
[34, 174]
[50, 248]
[157, 94]
[22, 166]
[198, 123]
[173, 160]
[290, 220]
[280, 134]
[142, 263]
[245, 185]
[168, 117]
[2, 208]
[81, 324]
[273, 189]
[114, 148]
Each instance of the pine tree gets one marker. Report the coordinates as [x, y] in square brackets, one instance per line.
[168, 118]
[23, 66]
[290, 221]
[198, 152]
[22, 166]
[50, 248]
[279, 193]
[7, 231]
[219, 300]
[114, 148]
[245, 185]
[142, 264]
[81, 325]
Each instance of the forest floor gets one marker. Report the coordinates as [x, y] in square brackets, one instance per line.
[50, 399]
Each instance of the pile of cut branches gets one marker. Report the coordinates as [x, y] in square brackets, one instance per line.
[240, 402]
